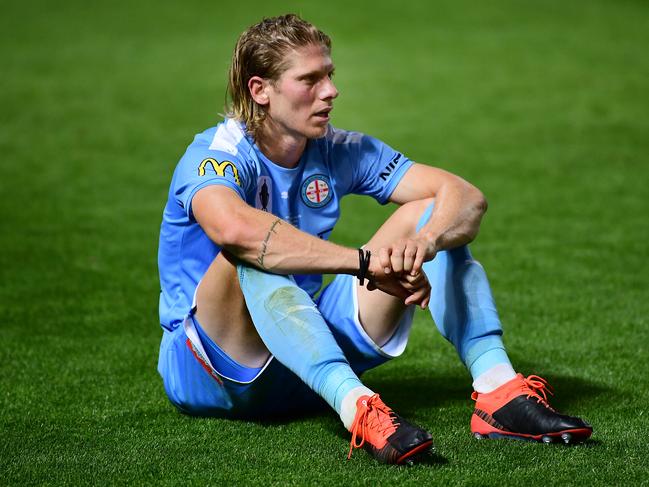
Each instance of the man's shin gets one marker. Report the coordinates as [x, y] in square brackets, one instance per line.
[463, 307]
[294, 331]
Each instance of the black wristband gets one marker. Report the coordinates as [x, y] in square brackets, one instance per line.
[363, 264]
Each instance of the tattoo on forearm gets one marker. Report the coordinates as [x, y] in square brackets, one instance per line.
[264, 244]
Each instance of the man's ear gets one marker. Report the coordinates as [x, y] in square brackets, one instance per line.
[258, 88]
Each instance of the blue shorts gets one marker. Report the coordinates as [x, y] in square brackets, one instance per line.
[196, 387]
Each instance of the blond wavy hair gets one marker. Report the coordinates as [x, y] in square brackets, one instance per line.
[262, 51]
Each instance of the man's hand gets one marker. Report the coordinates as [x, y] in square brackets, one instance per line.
[413, 289]
[406, 256]
[419, 287]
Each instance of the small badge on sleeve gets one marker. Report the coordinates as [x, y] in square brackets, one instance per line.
[316, 191]
[264, 197]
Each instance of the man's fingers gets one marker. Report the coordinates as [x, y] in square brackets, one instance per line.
[390, 284]
[421, 297]
[419, 260]
[413, 286]
[405, 256]
[410, 300]
[384, 259]
[409, 286]
[396, 258]
[416, 280]
[415, 298]
[409, 255]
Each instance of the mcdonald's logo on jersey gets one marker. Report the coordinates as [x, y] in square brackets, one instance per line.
[219, 168]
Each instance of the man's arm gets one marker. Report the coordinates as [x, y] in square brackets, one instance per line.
[265, 240]
[459, 207]
[270, 243]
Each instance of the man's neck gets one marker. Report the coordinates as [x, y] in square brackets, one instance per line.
[280, 147]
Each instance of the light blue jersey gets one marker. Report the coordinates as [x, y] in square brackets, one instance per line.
[307, 196]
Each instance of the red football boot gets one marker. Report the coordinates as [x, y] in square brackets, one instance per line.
[386, 435]
[519, 410]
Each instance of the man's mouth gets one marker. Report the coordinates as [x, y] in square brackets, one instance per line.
[323, 114]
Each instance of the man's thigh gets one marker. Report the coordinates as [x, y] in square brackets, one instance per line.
[338, 304]
[221, 310]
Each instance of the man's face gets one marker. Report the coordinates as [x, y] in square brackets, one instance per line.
[301, 99]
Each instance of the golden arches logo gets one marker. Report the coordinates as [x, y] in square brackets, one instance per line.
[219, 168]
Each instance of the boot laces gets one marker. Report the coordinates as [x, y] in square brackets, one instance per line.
[372, 416]
[538, 388]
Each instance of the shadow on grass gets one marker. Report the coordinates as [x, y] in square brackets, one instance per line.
[432, 459]
[409, 394]
[418, 391]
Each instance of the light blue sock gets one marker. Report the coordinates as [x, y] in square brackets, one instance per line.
[463, 308]
[294, 331]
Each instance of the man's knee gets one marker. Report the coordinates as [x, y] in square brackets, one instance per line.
[417, 213]
[224, 316]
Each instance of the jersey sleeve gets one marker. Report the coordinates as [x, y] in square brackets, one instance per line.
[374, 168]
[200, 168]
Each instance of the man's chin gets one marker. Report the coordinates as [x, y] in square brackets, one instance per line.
[318, 131]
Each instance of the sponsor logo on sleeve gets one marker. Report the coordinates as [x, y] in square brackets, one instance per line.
[219, 168]
[316, 191]
[390, 167]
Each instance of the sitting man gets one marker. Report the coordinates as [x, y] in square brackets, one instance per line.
[243, 247]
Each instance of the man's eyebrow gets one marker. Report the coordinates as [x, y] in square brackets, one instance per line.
[328, 70]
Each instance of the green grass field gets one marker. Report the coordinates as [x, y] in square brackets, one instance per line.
[543, 105]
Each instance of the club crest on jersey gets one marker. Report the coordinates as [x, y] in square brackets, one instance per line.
[316, 191]
[264, 196]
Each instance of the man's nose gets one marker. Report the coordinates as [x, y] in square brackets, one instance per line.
[329, 90]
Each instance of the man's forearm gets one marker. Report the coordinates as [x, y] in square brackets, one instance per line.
[272, 244]
[456, 217]
[265, 240]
